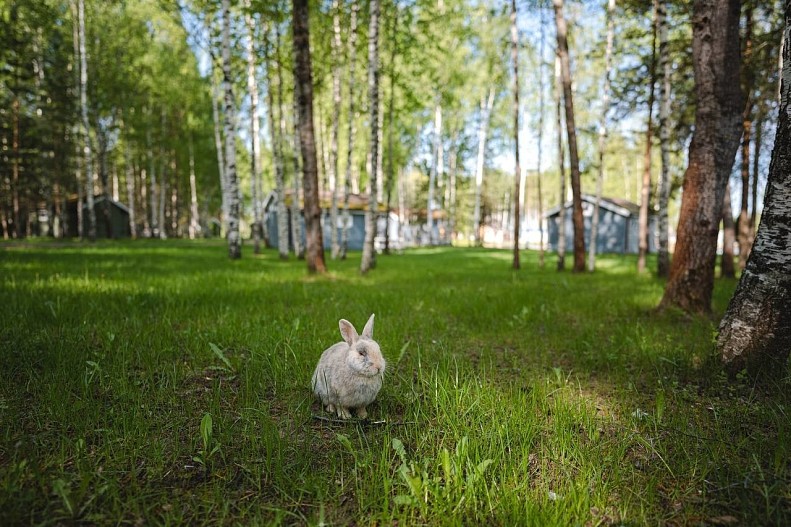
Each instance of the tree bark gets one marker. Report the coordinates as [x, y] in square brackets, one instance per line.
[275, 134]
[390, 128]
[515, 264]
[307, 142]
[603, 134]
[561, 265]
[194, 228]
[663, 192]
[756, 171]
[645, 189]
[436, 162]
[483, 127]
[347, 182]
[234, 240]
[756, 330]
[255, 139]
[336, 118]
[162, 177]
[368, 261]
[296, 225]
[130, 187]
[86, 127]
[744, 238]
[727, 268]
[715, 55]
[571, 132]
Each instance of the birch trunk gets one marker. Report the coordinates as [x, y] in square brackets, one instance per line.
[540, 142]
[306, 137]
[756, 172]
[483, 126]
[130, 189]
[255, 139]
[756, 330]
[336, 118]
[727, 268]
[86, 128]
[744, 217]
[390, 126]
[561, 266]
[663, 252]
[194, 228]
[296, 225]
[347, 183]
[153, 230]
[436, 161]
[603, 137]
[277, 148]
[571, 132]
[715, 56]
[517, 168]
[162, 178]
[218, 145]
[234, 240]
[368, 261]
[645, 188]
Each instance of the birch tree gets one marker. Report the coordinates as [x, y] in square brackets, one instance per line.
[645, 189]
[571, 132]
[275, 134]
[517, 169]
[255, 140]
[436, 164]
[304, 94]
[194, 226]
[369, 254]
[744, 238]
[602, 134]
[86, 127]
[347, 182]
[561, 266]
[756, 330]
[336, 118]
[483, 127]
[715, 56]
[663, 192]
[234, 240]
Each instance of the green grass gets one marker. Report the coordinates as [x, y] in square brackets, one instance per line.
[511, 398]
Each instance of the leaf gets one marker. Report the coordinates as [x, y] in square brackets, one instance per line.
[206, 426]
[398, 446]
[403, 499]
[61, 489]
[220, 355]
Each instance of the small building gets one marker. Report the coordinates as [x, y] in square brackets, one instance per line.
[358, 205]
[618, 226]
[112, 218]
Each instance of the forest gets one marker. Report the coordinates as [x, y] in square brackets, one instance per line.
[569, 217]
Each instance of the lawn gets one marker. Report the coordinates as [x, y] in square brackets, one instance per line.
[159, 383]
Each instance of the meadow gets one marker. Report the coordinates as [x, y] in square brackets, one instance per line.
[158, 382]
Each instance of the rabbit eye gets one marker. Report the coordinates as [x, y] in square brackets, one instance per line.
[363, 352]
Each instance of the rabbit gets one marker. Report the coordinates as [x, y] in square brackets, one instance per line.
[350, 373]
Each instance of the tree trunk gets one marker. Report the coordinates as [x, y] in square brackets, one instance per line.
[86, 129]
[152, 205]
[542, 39]
[304, 89]
[663, 252]
[103, 178]
[744, 218]
[756, 330]
[218, 145]
[483, 126]
[368, 261]
[571, 132]
[452, 169]
[727, 268]
[194, 228]
[645, 189]
[130, 188]
[162, 176]
[255, 139]
[436, 162]
[347, 183]
[603, 136]
[296, 225]
[515, 264]
[234, 240]
[561, 266]
[756, 171]
[275, 134]
[336, 118]
[390, 127]
[715, 56]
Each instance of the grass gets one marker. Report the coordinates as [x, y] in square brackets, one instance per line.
[160, 383]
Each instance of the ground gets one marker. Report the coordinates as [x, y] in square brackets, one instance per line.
[512, 398]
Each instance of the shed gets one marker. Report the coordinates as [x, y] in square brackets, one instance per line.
[358, 205]
[112, 217]
[618, 225]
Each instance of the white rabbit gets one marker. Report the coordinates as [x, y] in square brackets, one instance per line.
[349, 374]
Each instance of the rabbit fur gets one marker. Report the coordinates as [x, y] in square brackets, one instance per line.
[349, 374]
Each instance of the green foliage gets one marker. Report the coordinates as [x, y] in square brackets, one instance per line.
[530, 398]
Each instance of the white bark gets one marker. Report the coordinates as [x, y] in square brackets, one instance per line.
[296, 225]
[336, 117]
[162, 181]
[255, 139]
[86, 128]
[561, 169]
[347, 185]
[369, 254]
[275, 132]
[234, 240]
[130, 189]
[436, 163]
[602, 134]
[663, 253]
[483, 127]
[194, 228]
[218, 145]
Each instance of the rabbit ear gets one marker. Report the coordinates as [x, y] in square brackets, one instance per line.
[348, 332]
[368, 330]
